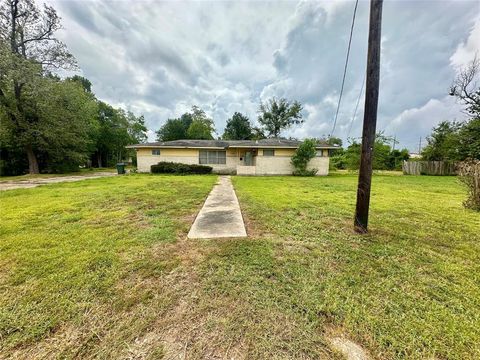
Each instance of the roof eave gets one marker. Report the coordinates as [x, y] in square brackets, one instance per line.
[173, 147]
[256, 146]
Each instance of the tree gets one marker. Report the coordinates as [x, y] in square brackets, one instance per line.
[384, 158]
[117, 129]
[66, 125]
[335, 141]
[238, 128]
[302, 156]
[201, 129]
[173, 129]
[454, 141]
[186, 120]
[29, 50]
[192, 125]
[277, 115]
[257, 133]
[136, 128]
[86, 84]
[63, 129]
[443, 142]
[469, 140]
[466, 88]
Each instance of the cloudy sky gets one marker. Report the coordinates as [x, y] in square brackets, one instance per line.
[160, 58]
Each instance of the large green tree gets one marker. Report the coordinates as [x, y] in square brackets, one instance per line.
[117, 129]
[201, 129]
[29, 49]
[173, 129]
[238, 128]
[63, 129]
[443, 142]
[454, 141]
[192, 125]
[66, 125]
[278, 115]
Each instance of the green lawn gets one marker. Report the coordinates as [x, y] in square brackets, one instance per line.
[77, 260]
[101, 269]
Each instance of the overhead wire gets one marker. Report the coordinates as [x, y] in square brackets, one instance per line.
[356, 106]
[345, 69]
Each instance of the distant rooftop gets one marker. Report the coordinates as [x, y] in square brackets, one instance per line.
[224, 144]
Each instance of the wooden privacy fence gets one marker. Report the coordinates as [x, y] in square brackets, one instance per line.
[429, 168]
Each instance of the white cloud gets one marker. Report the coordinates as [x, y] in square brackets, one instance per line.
[414, 123]
[468, 49]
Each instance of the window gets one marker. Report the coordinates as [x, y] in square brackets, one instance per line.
[212, 157]
[156, 152]
[268, 152]
[319, 153]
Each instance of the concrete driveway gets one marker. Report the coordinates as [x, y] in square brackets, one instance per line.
[31, 183]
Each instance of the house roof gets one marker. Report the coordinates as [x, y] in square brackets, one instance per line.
[225, 144]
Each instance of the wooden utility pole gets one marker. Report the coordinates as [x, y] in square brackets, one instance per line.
[420, 146]
[369, 117]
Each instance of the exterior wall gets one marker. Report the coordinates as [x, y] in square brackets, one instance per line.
[246, 170]
[278, 152]
[321, 164]
[145, 159]
[263, 165]
[280, 165]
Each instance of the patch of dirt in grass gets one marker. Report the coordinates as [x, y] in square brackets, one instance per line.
[144, 346]
[339, 342]
[34, 182]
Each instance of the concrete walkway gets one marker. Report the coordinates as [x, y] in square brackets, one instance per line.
[34, 182]
[220, 216]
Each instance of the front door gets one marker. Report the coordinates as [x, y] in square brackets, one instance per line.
[248, 158]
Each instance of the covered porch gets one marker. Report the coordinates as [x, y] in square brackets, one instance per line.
[247, 161]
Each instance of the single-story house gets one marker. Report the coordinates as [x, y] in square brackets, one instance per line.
[241, 157]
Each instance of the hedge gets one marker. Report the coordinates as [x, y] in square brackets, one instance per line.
[165, 167]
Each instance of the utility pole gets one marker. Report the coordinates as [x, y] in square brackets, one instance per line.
[420, 146]
[369, 117]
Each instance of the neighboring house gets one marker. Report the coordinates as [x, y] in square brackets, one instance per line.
[241, 157]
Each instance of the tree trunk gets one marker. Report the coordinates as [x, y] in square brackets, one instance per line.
[32, 161]
[99, 160]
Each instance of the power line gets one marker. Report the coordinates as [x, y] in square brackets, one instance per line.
[356, 106]
[345, 69]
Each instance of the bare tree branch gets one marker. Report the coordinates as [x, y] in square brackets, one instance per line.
[465, 86]
[30, 32]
